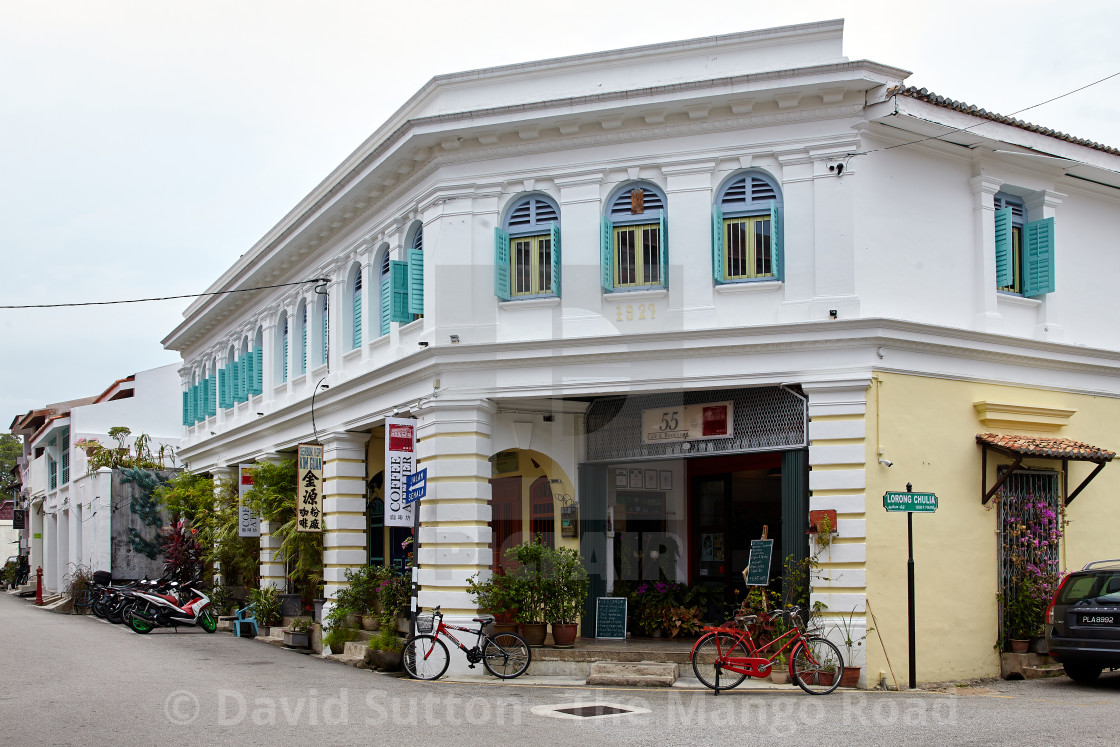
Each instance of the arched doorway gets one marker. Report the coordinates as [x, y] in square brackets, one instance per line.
[525, 488]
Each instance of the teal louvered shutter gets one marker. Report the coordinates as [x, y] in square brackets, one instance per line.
[242, 379]
[222, 387]
[415, 281]
[357, 314]
[1038, 257]
[303, 343]
[194, 403]
[186, 408]
[663, 250]
[284, 360]
[1005, 273]
[776, 230]
[250, 373]
[555, 236]
[606, 254]
[501, 264]
[385, 313]
[235, 382]
[398, 288]
[212, 396]
[258, 369]
[324, 333]
[717, 244]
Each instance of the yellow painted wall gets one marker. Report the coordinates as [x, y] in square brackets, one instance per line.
[927, 427]
[529, 474]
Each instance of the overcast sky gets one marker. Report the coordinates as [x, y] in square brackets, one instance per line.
[146, 145]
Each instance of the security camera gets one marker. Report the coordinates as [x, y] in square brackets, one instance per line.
[885, 462]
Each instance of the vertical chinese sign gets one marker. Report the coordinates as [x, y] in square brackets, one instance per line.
[248, 523]
[400, 462]
[309, 488]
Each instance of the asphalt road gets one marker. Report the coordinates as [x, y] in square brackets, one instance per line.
[68, 680]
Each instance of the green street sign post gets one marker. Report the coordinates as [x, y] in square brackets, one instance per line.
[911, 503]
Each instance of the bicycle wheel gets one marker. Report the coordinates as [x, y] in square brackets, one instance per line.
[817, 665]
[506, 655]
[711, 647]
[425, 657]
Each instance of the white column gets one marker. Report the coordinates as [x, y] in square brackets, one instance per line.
[455, 447]
[984, 189]
[1039, 206]
[689, 193]
[222, 477]
[344, 508]
[272, 570]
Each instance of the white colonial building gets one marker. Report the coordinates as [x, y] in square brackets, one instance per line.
[649, 301]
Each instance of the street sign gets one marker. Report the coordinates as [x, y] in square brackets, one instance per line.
[914, 502]
[415, 486]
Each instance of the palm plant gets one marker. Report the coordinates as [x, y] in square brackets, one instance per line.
[273, 498]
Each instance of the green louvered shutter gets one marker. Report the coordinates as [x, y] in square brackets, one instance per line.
[663, 250]
[222, 387]
[555, 236]
[501, 264]
[385, 305]
[1038, 257]
[284, 360]
[324, 330]
[212, 396]
[258, 369]
[415, 281]
[398, 288]
[776, 231]
[194, 403]
[250, 373]
[606, 254]
[243, 379]
[717, 244]
[235, 382]
[303, 343]
[1005, 273]
[186, 408]
[357, 313]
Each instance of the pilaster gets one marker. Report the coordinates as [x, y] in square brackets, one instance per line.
[344, 507]
[273, 571]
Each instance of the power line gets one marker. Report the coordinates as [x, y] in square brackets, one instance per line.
[963, 129]
[319, 281]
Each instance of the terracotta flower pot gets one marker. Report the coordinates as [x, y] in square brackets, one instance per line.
[779, 676]
[564, 635]
[850, 678]
[504, 628]
[534, 633]
[1020, 645]
[369, 622]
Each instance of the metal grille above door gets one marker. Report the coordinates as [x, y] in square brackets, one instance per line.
[766, 419]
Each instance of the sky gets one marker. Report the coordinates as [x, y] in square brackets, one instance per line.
[144, 146]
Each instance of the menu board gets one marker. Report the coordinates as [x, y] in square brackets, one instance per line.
[610, 618]
[757, 572]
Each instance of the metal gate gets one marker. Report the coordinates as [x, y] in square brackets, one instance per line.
[1029, 506]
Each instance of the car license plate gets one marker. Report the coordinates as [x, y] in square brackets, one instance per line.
[1098, 618]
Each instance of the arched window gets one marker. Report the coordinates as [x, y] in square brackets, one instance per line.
[406, 280]
[527, 250]
[282, 348]
[633, 241]
[356, 308]
[747, 229]
[225, 381]
[243, 373]
[256, 363]
[383, 286]
[302, 315]
[416, 273]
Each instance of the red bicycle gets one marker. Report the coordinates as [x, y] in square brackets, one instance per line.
[425, 656]
[815, 663]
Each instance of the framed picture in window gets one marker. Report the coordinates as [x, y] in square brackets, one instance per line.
[636, 479]
[650, 479]
[621, 478]
[666, 480]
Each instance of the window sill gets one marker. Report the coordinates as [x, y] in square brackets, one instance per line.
[1014, 299]
[352, 354]
[624, 295]
[749, 286]
[380, 341]
[320, 369]
[530, 303]
[299, 379]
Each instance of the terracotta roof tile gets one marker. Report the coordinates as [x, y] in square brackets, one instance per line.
[1040, 446]
[921, 94]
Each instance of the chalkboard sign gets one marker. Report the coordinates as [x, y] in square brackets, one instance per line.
[610, 618]
[757, 572]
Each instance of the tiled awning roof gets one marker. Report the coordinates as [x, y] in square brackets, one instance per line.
[922, 94]
[1041, 446]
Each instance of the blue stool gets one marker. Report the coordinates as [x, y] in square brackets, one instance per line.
[245, 616]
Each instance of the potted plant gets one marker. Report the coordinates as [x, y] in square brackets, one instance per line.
[497, 596]
[852, 644]
[565, 591]
[1025, 608]
[267, 606]
[528, 575]
[385, 650]
[779, 675]
[298, 633]
[336, 638]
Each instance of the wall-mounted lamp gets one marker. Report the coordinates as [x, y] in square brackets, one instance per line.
[454, 339]
[260, 414]
[423, 344]
[832, 313]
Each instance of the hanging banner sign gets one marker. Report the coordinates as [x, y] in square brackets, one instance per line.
[400, 463]
[416, 486]
[688, 422]
[248, 523]
[18, 521]
[309, 488]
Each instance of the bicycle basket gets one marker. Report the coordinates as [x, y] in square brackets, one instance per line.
[425, 623]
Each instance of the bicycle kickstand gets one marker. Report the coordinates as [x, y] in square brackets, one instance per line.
[717, 678]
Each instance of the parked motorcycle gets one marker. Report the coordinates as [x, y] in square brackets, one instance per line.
[151, 608]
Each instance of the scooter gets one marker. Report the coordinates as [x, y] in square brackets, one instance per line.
[153, 609]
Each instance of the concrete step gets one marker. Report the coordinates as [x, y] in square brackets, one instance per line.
[633, 674]
[355, 654]
[1035, 673]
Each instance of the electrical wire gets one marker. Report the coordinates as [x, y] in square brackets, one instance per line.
[318, 281]
[964, 129]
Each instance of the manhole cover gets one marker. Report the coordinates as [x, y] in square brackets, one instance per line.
[588, 710]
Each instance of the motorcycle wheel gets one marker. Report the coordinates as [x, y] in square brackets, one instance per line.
[113, 614]
[207, 621]
[98, 607]
[139, 624]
